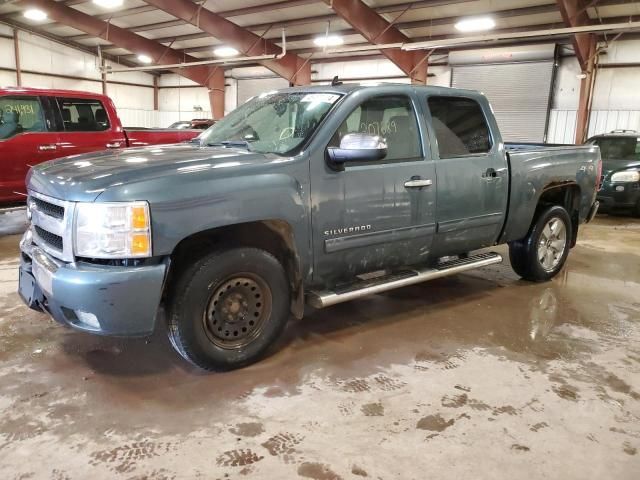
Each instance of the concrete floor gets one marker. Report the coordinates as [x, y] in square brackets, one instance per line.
[475, 376]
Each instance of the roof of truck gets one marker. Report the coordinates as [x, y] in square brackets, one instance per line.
[46, 91]
[351, 87]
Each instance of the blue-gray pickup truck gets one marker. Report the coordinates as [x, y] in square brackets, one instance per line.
[303, 196]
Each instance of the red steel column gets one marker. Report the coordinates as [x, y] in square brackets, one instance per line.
[377, 30]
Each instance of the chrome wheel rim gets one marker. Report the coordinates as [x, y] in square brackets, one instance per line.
[552, 244]
[237, 311]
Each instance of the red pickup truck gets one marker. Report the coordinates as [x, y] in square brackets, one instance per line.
[37, 125]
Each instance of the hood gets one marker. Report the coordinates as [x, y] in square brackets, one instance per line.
[85, 177]
[609, 166]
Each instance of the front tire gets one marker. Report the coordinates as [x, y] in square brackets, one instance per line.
[228, 308]
[543, 252]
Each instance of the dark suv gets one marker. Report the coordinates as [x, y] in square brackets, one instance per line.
[620, 152]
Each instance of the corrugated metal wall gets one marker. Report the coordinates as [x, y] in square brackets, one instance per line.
[562, 123]
[518, 92]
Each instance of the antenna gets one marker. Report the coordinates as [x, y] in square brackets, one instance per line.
[335, 82]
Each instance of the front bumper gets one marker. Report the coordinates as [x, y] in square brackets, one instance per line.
[104, 300]
[619, 195]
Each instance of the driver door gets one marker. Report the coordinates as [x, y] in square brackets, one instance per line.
[368, 216]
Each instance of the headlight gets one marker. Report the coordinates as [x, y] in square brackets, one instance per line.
[628, 176]
[113, 230]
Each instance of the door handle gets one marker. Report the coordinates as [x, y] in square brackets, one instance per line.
[45, 148]
[113, 145]
[490, 174]
[418, 183]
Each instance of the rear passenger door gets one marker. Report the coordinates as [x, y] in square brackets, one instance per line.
[85, 127]
[472, 174]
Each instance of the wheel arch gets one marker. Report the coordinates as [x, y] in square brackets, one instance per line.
[275, 236]
[564, 194]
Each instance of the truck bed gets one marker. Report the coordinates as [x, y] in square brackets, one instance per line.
[534, 166]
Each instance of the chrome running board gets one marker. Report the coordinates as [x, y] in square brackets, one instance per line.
[361, 288]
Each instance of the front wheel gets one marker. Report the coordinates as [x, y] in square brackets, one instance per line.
[543, 252]
[228, 308]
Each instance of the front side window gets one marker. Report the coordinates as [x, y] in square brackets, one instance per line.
[619, 148]
[83, 115]
[20, 115]
[391, 117]
[460, 126]
[277, 123]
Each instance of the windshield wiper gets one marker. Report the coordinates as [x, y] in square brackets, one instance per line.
[231, 144]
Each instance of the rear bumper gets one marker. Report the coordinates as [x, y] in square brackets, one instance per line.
[103, 300]
[593, 211]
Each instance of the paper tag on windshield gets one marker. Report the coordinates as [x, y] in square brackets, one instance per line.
[320, 98]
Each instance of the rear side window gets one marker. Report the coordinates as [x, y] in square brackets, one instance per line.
[20, 115]
[83, 115]
[460, 126]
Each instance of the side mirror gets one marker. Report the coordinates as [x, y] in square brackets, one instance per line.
[358, 147]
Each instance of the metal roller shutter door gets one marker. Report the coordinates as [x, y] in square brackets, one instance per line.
[518, 92]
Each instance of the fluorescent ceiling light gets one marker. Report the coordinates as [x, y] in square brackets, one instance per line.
[35, 14]
[225, 52]
[109, 3]
[328, 41]
[144, 59]
[476, 24]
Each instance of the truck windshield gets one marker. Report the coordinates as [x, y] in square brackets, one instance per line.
[277, 123]
[619, 148]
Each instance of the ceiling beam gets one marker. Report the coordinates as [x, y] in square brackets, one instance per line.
[61, 40]
[574, 14]
[269, 7]
[210, 77]
[295, 69]
[377, 30]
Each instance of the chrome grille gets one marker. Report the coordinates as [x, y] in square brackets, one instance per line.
[48, 208]
[51, 225]
[49, 238]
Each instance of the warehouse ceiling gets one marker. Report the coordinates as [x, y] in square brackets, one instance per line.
[305, 20]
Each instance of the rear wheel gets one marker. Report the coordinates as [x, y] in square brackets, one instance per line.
[543, 252]
[228, 308]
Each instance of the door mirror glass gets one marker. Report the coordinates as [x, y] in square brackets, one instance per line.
[358, 147]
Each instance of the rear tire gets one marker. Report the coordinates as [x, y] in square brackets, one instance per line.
[543, 252]
[228, 308]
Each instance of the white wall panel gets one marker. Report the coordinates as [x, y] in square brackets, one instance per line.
[130, 77]
[567, 85]
[7, 56]
[6, 30]
[365, 69]
[173, 80]
[7, 79]
[184, 99]
[47, 81]
[129, 96]
[41, 55]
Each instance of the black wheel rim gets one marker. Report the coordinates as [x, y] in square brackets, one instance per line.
[237, 311]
